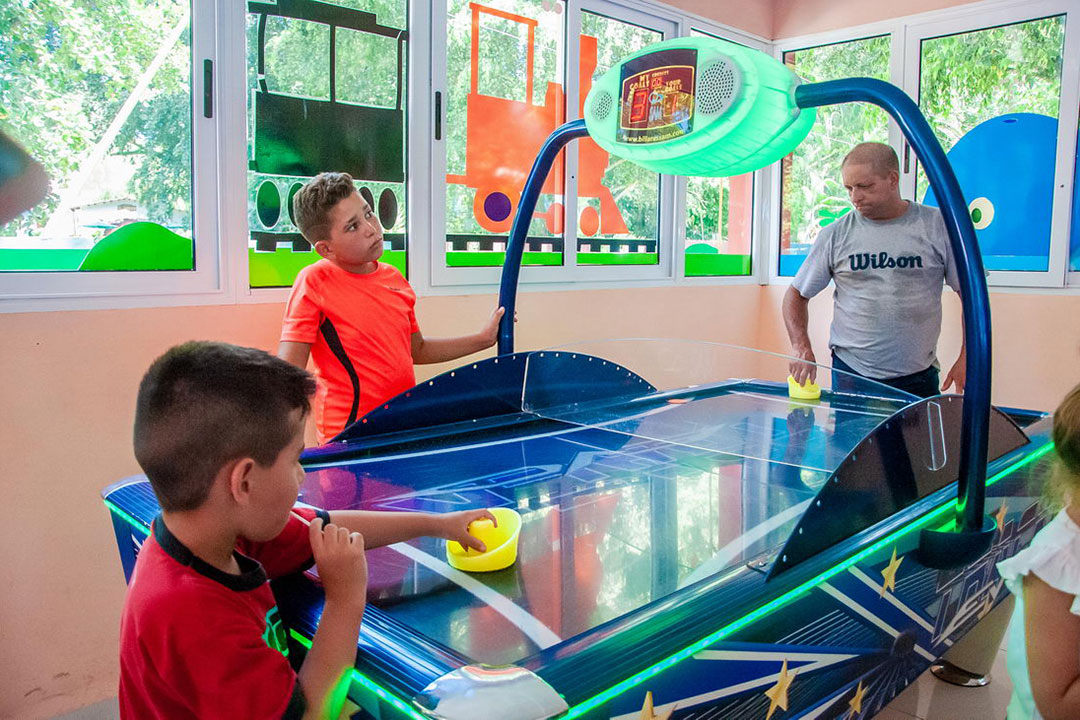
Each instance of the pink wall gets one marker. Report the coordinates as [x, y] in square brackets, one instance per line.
[774, 19]
[802, 17]
[753, 16]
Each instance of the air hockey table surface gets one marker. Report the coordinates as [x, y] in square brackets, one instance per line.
[657, 510]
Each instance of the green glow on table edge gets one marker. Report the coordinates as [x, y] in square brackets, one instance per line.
[748, 619]
[368, 683]
[137, 524]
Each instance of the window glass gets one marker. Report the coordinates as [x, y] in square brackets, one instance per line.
[312, 111]
[392, 13]
[102, 98]
[812, 193]
[992, 96]
[618, 202]
[367, 68]
[506, 38]
[504, 97]
[719, 213]
[297, 57]
[1074, 233]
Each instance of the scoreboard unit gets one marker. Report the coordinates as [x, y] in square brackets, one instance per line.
[697, 106]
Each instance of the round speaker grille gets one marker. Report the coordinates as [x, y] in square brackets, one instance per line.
[718, 85]
[601, 106]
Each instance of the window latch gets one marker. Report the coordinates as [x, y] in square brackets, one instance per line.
[208, 88]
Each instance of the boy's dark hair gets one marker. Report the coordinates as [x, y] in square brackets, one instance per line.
[204, 404]
[312, 203]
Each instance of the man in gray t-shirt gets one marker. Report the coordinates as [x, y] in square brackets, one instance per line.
[888, 260]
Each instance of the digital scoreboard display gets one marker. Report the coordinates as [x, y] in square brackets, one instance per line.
[697, 106]
[657, 96]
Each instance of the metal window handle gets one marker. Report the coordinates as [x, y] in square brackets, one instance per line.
[438, 115]
[208, 88]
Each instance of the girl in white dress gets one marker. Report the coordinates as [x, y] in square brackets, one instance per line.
[1043, 651]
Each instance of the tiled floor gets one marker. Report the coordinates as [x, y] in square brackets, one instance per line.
[104, 710]
[931, 699]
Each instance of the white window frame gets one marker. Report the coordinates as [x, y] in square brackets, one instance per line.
[907, 33]
[972, 20]
[570, 273]
[219, 167]
[419, 129]
[760, 194]
[890, 28]
[220, 202]
[209, 282]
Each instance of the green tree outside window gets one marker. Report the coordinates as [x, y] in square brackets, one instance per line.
[812, 194]
[100, 94]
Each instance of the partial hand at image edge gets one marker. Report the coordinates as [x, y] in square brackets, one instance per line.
[23, 181]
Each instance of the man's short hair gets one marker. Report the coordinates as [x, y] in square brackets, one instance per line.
[881, 157]
[202, 405]
[313, 202]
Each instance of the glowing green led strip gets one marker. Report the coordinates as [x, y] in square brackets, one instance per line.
[369, 684]
[748, 619]
[356, 676]
[138, 525]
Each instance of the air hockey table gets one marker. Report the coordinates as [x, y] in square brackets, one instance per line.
[713, 548]
[695, 544]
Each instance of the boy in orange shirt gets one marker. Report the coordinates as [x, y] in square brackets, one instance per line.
[353, 315]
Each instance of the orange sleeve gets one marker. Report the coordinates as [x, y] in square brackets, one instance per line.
[303, 313]
[414, 327]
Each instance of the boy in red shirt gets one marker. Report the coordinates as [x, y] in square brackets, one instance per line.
[354, 315]
[219, 430]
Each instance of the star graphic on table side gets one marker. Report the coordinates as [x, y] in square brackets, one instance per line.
[855, 703]
[1000, 515]
[647, 709]
[777, 694]
[889, 573]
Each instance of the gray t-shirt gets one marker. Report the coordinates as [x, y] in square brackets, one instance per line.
[888, 276]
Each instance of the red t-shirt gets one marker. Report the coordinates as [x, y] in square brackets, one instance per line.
[360, 330]
[200, 643]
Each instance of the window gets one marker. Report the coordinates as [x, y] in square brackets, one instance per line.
[106, 107]
[1074, 234]
[326, 92]
[719, 216]
[992, 97]
[504, 96]
[812, 193]
[618, 202]
[502, 90]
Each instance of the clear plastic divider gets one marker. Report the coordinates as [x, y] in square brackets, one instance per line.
[710, 396]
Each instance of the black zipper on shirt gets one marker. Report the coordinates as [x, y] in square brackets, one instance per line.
[329, 333]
